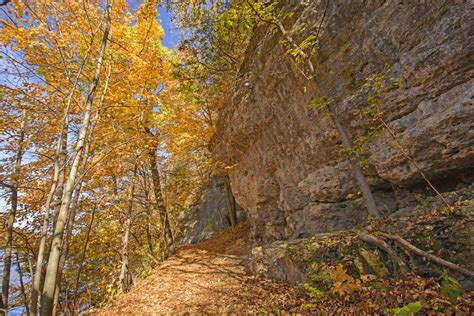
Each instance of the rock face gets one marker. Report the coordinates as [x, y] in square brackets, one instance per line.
[302, 259]
[448, 236]
[208, 216]
[287, 168]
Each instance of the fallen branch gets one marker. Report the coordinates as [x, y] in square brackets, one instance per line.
[408, 246]
[371, 239]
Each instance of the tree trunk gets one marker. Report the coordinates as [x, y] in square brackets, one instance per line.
[70, 224]
[22, 285]
[35, 290]
[122, 284]
[359, 175]
[59, 170]
[149, 215]
[62, 160]
[30, 264]
[230, 202]
[77, 192]
[83, 256]
[149, 235]
[47, 297]
[15, 179]
[65, 246]
[428, 256]
[160, 205]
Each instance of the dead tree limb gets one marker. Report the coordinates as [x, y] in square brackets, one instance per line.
[379, 243]
[435, 259]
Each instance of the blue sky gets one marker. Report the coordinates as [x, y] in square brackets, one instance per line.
[171, 32]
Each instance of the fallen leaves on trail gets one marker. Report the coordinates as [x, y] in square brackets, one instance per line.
[210, 278]
[207, 278]
[198, 281]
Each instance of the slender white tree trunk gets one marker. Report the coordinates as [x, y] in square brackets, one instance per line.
[59, 169]
[125, 273]
[123, 279]
[47, 297]
[77, 192]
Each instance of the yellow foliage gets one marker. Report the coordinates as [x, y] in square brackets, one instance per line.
[344, 284]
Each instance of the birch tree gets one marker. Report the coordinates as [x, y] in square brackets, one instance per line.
[47, 297]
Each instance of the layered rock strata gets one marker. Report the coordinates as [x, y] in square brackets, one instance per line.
[285, 160]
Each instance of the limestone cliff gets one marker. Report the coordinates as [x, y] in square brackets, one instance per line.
[286, 167]
[208, 215]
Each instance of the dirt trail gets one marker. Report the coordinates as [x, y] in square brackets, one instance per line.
[202, 279]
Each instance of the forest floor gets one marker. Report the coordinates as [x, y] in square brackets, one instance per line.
[211, 278]
[207, 278]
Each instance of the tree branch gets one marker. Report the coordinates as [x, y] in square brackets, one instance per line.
[408, 246]
[371, 239]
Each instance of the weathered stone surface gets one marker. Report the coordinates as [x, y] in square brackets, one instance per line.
[287, 169]
[274, 262]
[208, 216]
[296, 261]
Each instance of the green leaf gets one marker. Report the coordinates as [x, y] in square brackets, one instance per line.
[450, 287]
[414, 307]
[407, 310]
